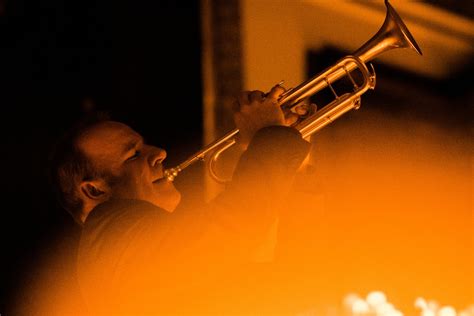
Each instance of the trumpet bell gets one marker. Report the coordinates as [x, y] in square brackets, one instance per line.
[392, 34]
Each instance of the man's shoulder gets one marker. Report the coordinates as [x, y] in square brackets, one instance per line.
[117, 223]
[118, 231]
[123, 211]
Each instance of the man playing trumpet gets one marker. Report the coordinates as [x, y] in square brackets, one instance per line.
[139, 252]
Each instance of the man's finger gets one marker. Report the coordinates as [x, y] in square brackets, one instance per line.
[291, 118]
[275, 92]
[256, 95]
[305, 109]
[243, 98]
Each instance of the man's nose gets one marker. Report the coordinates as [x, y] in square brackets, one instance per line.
[157, 155]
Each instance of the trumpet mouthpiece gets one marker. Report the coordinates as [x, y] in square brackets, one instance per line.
[171, 174]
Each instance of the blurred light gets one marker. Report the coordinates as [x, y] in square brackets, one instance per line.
[385, 309]
[432, 308]
[360, 307]
[350, 299]
[377, 304]
[376, 298]
[421, 303]
[469, 311]
[447, 311]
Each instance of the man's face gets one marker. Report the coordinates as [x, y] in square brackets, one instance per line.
[136, 167]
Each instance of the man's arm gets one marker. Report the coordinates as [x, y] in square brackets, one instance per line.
[246, 212]
[263, 177]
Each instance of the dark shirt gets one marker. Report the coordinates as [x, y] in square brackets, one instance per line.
[135, 258]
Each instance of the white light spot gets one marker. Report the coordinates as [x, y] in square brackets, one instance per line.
[360, 307]
[376, 298]
[447, 311]
[384, 309]
[350, 299]
[421, 303]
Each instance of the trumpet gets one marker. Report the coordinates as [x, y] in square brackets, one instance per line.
[392, 34]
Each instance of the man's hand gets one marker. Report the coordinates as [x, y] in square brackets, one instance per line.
[300, 112]
[254, 110]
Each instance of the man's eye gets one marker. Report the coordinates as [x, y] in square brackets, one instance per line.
[135, 155]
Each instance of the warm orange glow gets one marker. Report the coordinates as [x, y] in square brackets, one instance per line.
[384, 212]
[387, 205]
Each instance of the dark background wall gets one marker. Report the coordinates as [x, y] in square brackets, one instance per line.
[140, 61]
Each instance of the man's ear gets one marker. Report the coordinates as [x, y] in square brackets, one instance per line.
[95, 189]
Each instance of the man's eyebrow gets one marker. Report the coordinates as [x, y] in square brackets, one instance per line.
[132, 143]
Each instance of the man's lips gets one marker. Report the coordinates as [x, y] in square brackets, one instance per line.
[160, 176]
